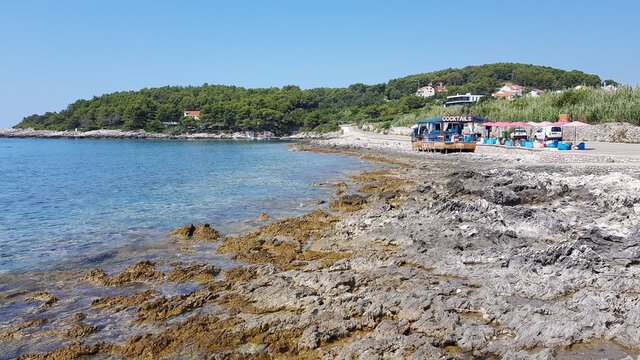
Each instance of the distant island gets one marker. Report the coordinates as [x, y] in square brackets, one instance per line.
[502, 91]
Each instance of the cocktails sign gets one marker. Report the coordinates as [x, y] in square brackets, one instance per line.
[458, 118]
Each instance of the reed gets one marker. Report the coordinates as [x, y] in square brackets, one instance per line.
[593, 106]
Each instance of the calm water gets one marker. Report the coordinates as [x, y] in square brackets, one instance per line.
[64, 199]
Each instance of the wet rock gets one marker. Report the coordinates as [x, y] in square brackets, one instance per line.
[210, 334]
[163, 307]
[119, 303]
[202, 232]
[8, 295]
[18, 331]
[340, 185]
[378, 182]
[77, 317]
[95, 276]
[79, 329]
[73, 350]
[281, 242]
[141, 272]
[348, 203]
[205, 232]
[183, 232]
[47, 299]
[201, 272]
[262, 217]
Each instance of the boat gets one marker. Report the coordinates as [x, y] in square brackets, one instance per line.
[446, 134]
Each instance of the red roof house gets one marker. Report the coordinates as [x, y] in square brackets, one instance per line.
[192, 114]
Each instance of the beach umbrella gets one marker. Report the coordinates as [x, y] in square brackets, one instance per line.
[574, 125]
[501, 124]
[545, 123]
[533, 123]
[520, 124]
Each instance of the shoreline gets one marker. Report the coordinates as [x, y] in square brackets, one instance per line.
[460, 255]
[12, 133]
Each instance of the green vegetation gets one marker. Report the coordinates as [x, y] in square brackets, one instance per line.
[485, 79]
[288, 109]
[587, 105]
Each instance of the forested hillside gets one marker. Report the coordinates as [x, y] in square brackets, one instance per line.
[288, 109]
[484, 79]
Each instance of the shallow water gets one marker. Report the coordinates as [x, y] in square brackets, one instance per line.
[67, 202]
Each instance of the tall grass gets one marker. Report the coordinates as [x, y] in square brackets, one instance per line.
[588, 105]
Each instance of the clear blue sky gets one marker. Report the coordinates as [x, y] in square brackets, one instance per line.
[54, 52]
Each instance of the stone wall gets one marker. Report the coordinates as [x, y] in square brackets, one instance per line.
[608, 132]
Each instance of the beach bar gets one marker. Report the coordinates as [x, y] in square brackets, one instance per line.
[446, 134]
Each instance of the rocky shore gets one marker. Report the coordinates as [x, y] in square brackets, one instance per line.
[141, 134]
[454, 256]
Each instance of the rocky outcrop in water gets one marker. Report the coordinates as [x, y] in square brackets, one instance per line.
[143, 271]
[202, 232]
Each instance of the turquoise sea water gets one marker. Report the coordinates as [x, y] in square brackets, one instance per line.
[65, 199]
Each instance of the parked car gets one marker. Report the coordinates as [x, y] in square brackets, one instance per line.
[548, 133]
[519, 134]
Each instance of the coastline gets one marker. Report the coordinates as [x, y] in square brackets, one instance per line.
[460, 256]
[141, 134]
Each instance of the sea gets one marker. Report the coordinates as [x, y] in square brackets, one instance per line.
[64, 201]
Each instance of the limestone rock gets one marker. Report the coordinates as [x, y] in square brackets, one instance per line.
[202, 232]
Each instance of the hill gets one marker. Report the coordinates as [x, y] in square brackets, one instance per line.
[288, 109]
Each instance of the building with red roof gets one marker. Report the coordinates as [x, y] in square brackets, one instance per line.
[192, 114]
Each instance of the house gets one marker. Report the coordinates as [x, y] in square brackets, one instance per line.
[535, 93]
[509, 91]
[610, 88]
[426, 91]
[440, 88]
[458, 99]
[500, 94]
[195, 114]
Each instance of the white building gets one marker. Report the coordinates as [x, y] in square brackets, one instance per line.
[195, 114]
[458, 99]
[426, 91]
[535, 93]
[509, 91]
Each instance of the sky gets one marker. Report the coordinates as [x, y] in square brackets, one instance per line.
[55, 52]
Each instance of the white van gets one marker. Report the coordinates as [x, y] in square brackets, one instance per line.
[548, 133]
